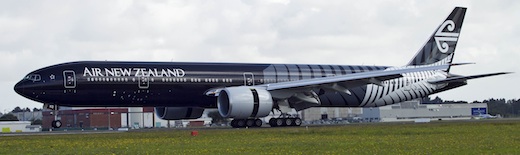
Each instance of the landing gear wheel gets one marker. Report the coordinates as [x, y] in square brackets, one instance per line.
[258, 123]
[56, 124]
[272, 122]
[297, 122]
[279, 122]
[289, 121]
[241, 123]
[250, 122]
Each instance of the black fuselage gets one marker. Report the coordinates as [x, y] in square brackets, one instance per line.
[109, 84]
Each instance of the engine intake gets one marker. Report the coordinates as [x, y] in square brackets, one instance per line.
[244, 102]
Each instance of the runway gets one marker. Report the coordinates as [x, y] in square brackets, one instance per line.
[67, 132]
[60, 132]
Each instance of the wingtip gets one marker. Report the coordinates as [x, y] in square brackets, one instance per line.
[460, 64]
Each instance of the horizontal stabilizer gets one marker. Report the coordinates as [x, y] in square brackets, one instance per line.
[464, 78]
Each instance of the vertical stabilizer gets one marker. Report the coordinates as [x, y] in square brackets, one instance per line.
[440, 47]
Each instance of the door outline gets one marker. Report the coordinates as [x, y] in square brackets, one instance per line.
[69, 79]
[144, 82]
[249, 79]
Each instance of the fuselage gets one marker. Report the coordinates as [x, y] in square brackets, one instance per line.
[174, 84]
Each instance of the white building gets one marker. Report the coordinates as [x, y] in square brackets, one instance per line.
[19, 126]
[137, 118]
[318, 113]
[413, 111]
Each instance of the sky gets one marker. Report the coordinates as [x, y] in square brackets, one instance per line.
[35, 34]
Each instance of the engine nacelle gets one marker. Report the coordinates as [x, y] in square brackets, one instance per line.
[244, 102]
[176, 113]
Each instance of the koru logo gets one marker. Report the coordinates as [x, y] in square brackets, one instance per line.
[442, 37]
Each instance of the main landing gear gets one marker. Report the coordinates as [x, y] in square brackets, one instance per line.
[242, 123]
[282, 121]
[285, 120]
[56, 123]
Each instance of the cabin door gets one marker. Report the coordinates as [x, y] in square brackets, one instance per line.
[144, 82]
[69, 80]
[249, 79]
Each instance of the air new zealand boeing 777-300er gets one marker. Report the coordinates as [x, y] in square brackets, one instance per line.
[245, 91]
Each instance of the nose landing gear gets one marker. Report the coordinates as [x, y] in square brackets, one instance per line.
[56, 123]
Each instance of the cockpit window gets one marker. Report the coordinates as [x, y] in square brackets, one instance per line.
[33, 77]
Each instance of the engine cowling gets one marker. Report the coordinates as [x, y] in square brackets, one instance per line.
[244, 102]
[176, 113]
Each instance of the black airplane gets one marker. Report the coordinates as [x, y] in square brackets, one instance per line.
[244, 91]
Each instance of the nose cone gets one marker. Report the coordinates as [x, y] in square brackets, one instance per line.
[18, 88]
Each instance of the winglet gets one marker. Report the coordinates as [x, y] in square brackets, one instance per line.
[460, 64]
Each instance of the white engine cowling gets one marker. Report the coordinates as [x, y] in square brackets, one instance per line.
[244, 102]
[177, 113]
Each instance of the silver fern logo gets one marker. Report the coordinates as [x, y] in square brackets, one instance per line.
[442, 37]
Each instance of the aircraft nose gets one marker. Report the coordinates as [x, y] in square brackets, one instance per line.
[18, 88]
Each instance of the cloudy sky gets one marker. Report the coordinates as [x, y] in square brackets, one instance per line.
[35, 34]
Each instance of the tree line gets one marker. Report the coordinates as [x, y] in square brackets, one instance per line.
[26, 109]
[11, 117]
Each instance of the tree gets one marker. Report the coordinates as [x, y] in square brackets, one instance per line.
[8, 117]
[498, 106]
[36, 109]
[437, 100]
[17, 109]
[216, 117]
[515, 107]
[428, 100]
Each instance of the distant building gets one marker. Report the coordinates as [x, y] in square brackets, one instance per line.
[319, 113]
[18, 126]
[404, 111]
[414, 110]
[85, 118]
[114, 117]
[28, 116]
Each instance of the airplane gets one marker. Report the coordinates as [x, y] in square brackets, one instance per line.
[486, 116]
[248, 91]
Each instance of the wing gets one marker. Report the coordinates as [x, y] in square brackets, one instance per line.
[351, 80]
[301, 91]
[302, 94]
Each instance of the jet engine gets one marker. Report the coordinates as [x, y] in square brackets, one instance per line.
[176, 113]
[244, 102]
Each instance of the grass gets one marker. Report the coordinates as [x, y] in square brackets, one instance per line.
[472, 137]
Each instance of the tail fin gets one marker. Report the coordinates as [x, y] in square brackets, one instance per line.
[440, 48]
